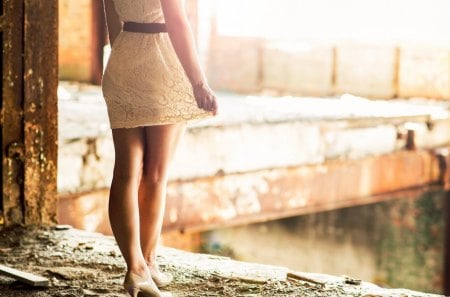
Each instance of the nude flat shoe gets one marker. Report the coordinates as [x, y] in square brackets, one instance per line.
[135, 284]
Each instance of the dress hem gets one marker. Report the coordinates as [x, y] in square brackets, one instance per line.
[159, 123]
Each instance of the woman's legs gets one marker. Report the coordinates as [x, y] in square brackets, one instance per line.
[160, 145]
[123, 200]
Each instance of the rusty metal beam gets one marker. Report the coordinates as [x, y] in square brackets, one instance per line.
[2, 19]
[40, 110]
[272, 194]
[12, 112]
[219, 201]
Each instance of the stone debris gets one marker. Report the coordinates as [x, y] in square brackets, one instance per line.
[80, 263]
[302, 277]
[25, 277]
[351, 281]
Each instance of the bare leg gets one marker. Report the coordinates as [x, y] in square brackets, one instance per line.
[123, 200]
[160, 145]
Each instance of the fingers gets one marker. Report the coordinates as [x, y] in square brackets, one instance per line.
[206, 99]
[207, 104]
[211, 104]
[214, 106]
[200, 102]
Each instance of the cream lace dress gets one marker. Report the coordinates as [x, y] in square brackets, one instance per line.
[144, 83]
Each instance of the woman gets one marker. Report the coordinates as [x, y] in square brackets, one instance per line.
[153, 84]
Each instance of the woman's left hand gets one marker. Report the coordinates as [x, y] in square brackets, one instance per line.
[205, 97]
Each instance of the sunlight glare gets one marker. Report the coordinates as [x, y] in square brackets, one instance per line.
[332, 21]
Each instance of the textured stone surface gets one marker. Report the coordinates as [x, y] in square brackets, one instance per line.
[373, 70]
[301, 69]
[429, 137]
[57, 254]
[424, 72]
[366, 70]
[246, 147]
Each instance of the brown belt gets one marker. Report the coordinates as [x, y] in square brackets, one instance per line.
[144, 27]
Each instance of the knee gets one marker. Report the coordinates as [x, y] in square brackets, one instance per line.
[155, 175]
[125, 177]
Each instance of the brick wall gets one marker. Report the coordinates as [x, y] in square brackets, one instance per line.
[82, 35]
[80, 40]
[75, 39]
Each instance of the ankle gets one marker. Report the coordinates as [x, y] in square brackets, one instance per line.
[140, 270]
[150, 260]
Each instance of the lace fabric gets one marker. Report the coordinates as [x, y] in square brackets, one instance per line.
[140, 11]
[144, 82]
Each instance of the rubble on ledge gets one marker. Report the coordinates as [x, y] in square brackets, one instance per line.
[80, 263]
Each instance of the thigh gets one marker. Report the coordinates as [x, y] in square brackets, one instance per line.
[129, 147]
[160, 145]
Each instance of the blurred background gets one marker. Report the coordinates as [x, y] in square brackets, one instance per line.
[330, 153]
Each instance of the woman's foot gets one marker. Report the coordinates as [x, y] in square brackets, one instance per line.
[135, 284]
[160, 278]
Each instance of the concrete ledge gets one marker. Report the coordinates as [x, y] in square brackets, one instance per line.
[262, 158]
[251, 134]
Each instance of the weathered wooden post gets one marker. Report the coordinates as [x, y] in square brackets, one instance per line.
[29, 111]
